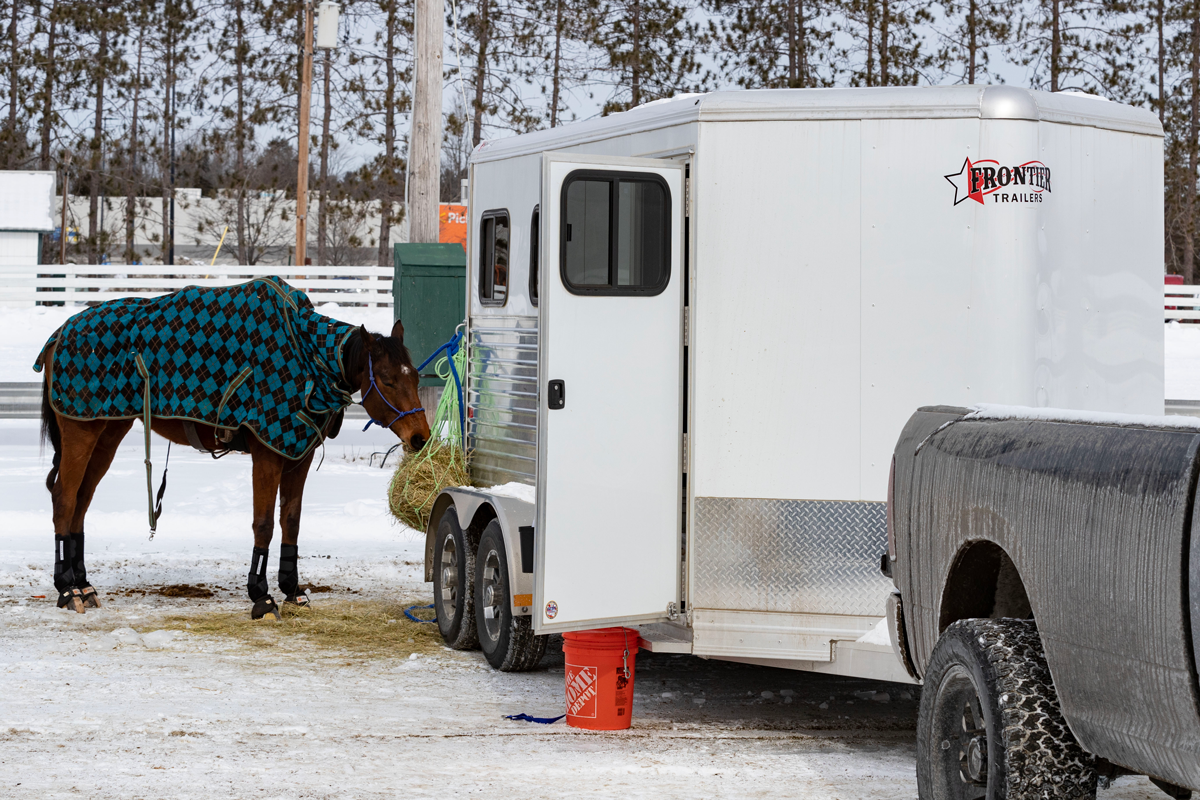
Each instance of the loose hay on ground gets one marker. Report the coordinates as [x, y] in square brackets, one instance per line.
[366, 627]
[421, 477]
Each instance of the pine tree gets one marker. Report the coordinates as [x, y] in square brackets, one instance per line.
[649, 49]
[969, 30]
[495, 41]
[886, 46]
[381, 60]
[1078, 45]
[774, 44]
[15, 150]
[561, 38]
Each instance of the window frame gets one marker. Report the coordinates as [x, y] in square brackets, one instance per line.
[535, 246]
[614, 178]
[493, 214]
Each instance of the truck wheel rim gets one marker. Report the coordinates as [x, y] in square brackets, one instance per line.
[449, 581]
[959, 738]
[493, 594]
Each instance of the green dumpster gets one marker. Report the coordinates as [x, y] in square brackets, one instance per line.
[429, 293]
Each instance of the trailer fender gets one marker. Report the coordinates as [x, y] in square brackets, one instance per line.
[475, 508]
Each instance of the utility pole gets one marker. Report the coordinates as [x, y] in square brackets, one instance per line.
[171, 251]
[62, 238]
[425, 142]
[302, 144]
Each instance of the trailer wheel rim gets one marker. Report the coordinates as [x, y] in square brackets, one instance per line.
[959, 738]
[492, 594]
[449, 580]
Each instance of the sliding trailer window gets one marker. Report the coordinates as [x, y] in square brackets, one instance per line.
[493, 258]
[615, 233]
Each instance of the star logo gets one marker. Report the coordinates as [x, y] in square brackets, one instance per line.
[961, 181]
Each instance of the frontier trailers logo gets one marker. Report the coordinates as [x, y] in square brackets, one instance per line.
[1023, 183]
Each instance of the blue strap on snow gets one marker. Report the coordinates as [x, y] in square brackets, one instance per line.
[538, 720]
[451, 349]
[408, 613]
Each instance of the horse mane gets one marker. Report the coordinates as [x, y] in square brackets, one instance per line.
[354, 356]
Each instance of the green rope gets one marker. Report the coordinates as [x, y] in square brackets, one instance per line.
[446, 438]
[447, 415]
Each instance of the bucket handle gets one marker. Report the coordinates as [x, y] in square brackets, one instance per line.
[625, 655]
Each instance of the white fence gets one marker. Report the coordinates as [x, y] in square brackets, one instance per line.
[91, 283]
[1181, 302]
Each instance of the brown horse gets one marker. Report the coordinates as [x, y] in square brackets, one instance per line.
[380, 367]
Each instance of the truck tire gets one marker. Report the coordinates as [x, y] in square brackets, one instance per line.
[507, 640]
[453, 582]
[990, 726]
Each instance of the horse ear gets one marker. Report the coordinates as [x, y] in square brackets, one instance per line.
[398, 330]
[367, 338]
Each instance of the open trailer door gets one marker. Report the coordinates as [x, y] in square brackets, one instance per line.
[610, 402]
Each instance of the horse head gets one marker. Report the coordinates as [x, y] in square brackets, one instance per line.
[389, 387]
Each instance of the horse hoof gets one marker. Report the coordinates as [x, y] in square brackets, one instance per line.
[71, 599]
[299, 600]
[90, 598]
[263, 606]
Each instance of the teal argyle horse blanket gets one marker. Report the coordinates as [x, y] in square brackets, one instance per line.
[255, 355]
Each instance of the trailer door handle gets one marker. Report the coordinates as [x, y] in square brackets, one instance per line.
[556, 395]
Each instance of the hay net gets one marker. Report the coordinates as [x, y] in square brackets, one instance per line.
[421, 477]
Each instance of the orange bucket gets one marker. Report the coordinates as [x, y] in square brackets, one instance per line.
[599, 677]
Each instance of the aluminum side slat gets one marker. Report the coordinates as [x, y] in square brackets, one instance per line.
[502, 392]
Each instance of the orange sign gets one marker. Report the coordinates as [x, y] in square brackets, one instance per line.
[452, 224]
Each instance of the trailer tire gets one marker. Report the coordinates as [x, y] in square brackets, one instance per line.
[454, 581]
[990, 725]
[507, 641]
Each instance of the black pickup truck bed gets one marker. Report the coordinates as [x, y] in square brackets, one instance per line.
[1081, 525]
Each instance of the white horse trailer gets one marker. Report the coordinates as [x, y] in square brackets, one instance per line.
[698, 327]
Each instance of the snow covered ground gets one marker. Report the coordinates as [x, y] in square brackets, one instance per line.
[85, 713]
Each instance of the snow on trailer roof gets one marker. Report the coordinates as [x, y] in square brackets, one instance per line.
[899, 102]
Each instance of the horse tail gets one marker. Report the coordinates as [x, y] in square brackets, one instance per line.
[50, 431]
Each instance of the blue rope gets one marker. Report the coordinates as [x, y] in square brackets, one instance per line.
[451, 347]
[408, 613]
[527, 718]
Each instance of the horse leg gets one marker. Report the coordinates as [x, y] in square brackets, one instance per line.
[291, 493]
[267, 470]
[78, 441]
[98, 464]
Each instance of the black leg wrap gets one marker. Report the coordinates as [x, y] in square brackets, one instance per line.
[77, 564]
[256, 586]
[256, 583]
[64, 563]
[90, 598]
[289, 575]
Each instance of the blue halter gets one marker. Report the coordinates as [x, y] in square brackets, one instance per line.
[373, 388]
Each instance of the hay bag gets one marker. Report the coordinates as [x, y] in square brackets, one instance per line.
[420, 477]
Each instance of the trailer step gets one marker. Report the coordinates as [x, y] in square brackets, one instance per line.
[663, 637]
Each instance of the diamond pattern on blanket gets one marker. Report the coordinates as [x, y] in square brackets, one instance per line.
[196, 344]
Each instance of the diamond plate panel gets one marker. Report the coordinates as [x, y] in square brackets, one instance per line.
[799, 556]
